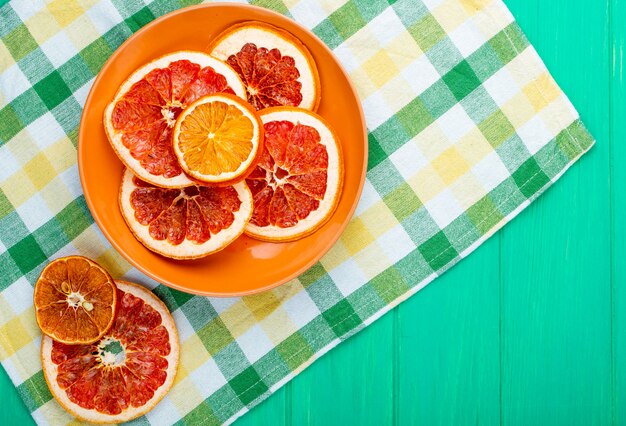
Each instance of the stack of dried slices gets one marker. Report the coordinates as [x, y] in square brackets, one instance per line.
[110, 348]
[225, 142]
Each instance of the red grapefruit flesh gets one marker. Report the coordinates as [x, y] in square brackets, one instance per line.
[140, 120]
[185, 223]
[126, 373]
[297, 183]
[276, 68]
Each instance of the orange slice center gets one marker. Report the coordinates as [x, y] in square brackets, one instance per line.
[215, 138]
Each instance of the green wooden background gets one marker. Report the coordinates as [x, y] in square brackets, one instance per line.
[531, 328]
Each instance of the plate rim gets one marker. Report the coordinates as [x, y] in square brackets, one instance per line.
[118, 246]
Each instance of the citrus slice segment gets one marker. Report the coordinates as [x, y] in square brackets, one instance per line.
[124, 374]
[276, 68]
[184, 223]
[140, 119]
[74, 300]
[217, 139]
[297, 183]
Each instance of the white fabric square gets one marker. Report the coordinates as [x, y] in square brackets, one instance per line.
[34, 212]
[376, 109]
[301, 309]
[26, 9]
[534, 134]
[308, 13]
[12, 369]
[59, 49]
[72, 181]
[208, 378]
[13, 83]
[386, 26]
[10, 165]
[467, 38]
[348, 277]
[396, 243]
[491, 171]
[369, 197]
[408, 160]
[431, 4]
[104, 16]
[501, 86]
[164, 413]
[21, 295]
[185, 329]
[220, 304]
[421, 74]
[347, 58]
[254, 343]
[81, 94]
[444, 208]
[455, 123]
[45, 131]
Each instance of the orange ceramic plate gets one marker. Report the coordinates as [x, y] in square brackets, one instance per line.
[246, 266]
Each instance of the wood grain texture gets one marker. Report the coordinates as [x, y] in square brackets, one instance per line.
[556, 281]
[617, 183]
[531, 328]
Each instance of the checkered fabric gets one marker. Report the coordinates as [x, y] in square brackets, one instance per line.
[466, 128]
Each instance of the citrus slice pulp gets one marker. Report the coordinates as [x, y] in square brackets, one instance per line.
[74, 300]
[276, 68]
[297, 183]
[217, 139]
[140, 119]
[184, 223]
[124, 374]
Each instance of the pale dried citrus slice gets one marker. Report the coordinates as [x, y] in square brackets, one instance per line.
[124, 374]
[276, 68]
[297, 183]
[218, 138]
[185, 223]
[74, 300]
[140, 119]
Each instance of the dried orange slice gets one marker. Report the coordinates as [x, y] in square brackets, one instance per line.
[275, 66]
[140, 119]
[297, 183]
[217, 139]
[74, 300]
[124, 374]
[185, 223]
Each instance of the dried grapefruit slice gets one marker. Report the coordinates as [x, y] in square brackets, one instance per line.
[139, 121]
[218, 138]
[74, 300]
[297, 183]
[124, 374]
[185, 223]
[276, 68]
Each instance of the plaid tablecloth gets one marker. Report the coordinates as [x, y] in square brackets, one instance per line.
[466, 128]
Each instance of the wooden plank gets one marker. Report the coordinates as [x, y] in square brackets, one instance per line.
[555, 256]
[272, 411]
[13, 410]
[448, 342]
[618, 207]
[353, 385]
